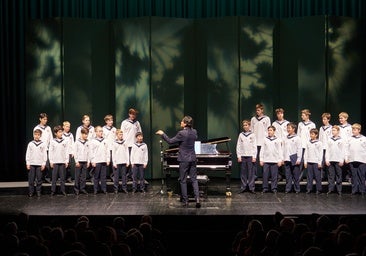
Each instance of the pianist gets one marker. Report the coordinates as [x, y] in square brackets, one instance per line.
[186, 157]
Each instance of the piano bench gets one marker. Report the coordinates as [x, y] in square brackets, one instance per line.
[202, 185]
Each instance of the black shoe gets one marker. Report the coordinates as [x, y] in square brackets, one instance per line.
[329, 192]
[69, 180]
[77, 193]
[264, 191]
[52, 193]
[318, 192]
[297, 192]
[339, 193]
[63, 193]
[274, 191]
[241, 191]
[83, 191]
[95, 192]
[133, 191]
[38, 193]
[125, 191]
[48, 180]
[308, 192]
[287, 192]
[142, 191]
[104, 192]
[252, 191]
[30, 195]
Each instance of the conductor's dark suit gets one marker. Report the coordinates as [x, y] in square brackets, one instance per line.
[187, 159]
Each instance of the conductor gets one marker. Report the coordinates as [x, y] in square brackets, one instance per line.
[186, 157]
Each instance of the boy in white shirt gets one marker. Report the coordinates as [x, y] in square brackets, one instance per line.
[303, 130]
[59, 159]
[67, 135]
[304, 127]
[100, 159]
[313, 158]
[281, 132]
[356, 157]
[109, 133]
[325, 132]
[82, 161]
[292, 151]
[334, 160]
[86, 123]
[130, 126]
[139, 160]
[120, 160]
[246, 151]
[46, 137]
[271, 157]
[36, 158]
[259, 124]
[345, 132]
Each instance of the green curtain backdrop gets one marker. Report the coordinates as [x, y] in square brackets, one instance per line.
[16, 16]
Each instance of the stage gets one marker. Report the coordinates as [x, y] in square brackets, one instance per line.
[217, 221]
[157, 201]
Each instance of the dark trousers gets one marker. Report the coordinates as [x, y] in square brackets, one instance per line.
[258, 170]
[110, 168]
[34, 175]
[70, 169]
[120, 171]
[138, 176]
[314, 173]
[47, 172]
[188, 169]
[324, 171]
[58, 172]
[129, 168]
[301, 167]
[292, 176]
[358, 172]
[247, 173]
[334, 177]
[100, 177]
[270, 170]
[80, 177]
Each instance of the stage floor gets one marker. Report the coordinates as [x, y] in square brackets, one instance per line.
[218, 220]
[156, 201]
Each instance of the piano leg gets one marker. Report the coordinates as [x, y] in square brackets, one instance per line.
[167, 182]
[228, 187]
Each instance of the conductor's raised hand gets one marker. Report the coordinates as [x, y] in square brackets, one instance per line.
[159, 132]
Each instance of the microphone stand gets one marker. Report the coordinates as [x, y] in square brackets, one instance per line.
[162, 167]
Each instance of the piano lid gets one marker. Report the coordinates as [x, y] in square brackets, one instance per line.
[216, 140]
[209, 141]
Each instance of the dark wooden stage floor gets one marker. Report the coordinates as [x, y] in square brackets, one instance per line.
[217, 221]
[14, 199]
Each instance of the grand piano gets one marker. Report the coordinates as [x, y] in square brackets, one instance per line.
[212, 155]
